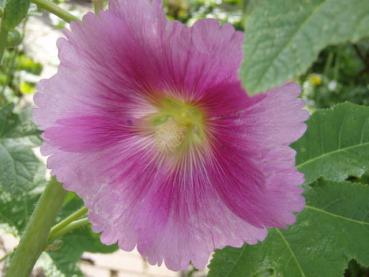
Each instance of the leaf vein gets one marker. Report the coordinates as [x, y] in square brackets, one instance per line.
[324, 155]
[234, 265]
[289, 41]
[291, 252]
[336, 215]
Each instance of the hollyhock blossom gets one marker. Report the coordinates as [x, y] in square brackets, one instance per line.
[147, 122]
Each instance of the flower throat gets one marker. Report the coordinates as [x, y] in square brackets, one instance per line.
[177, 126]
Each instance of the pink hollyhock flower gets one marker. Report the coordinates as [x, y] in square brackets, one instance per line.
[147, 121]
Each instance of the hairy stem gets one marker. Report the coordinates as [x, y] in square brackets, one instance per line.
[55, 9]
[79, 223]
[35, 237]
[67, 221]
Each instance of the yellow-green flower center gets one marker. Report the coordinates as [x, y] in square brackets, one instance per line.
[177, 125]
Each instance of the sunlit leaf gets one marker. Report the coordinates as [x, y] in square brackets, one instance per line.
[20, 169]
[336, 144]
[283, 37]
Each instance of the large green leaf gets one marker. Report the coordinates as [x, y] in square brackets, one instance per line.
[283, 37]
[20, 169]
[333, 229]
[336, 144]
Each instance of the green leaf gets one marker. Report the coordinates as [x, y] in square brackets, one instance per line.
[73, 246]
[283, 37]
[336, 144]
[14, 12]
[20, 169]
[18, 125]
[16, 208]
[332, 230]
[8, 119]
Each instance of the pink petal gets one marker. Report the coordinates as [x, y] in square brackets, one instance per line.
[226, 191]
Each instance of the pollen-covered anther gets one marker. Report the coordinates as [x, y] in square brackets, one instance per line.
[177, 126]
[169, 136]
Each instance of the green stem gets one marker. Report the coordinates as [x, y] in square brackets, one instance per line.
[3, 40]
[69, 228]
[62, 224]
[55, 9]
[35, 237]
[98, 5]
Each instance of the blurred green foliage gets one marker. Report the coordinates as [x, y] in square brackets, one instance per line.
[340, 74]
[189, 11]
[17, 73]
